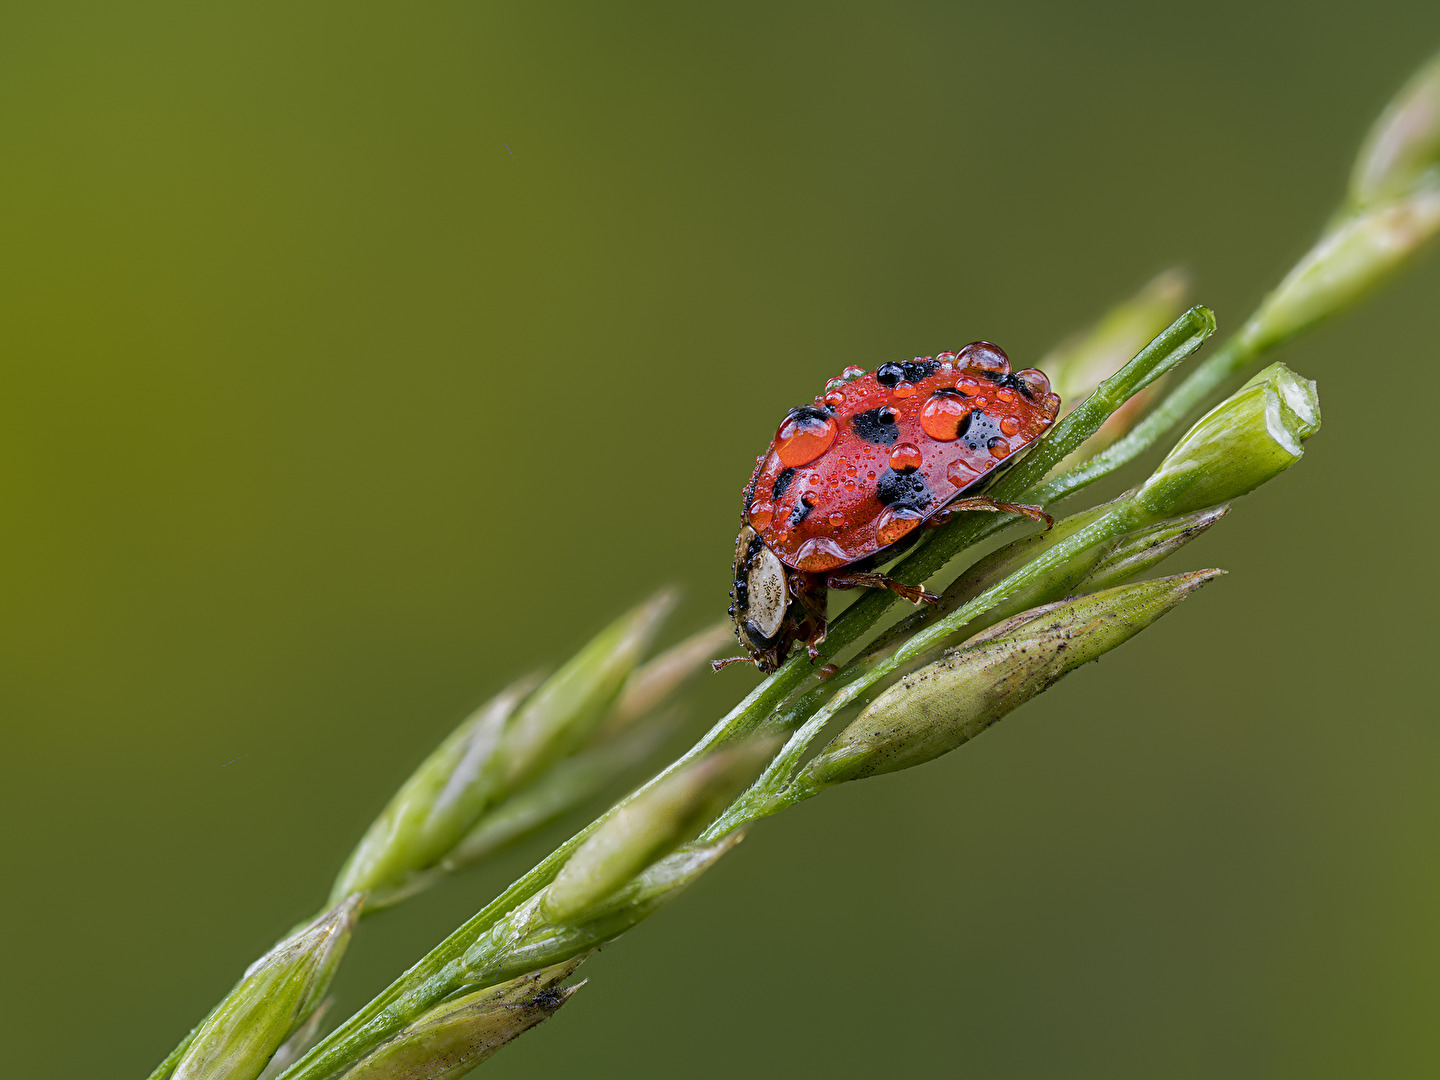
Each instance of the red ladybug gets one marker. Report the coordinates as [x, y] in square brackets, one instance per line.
[848, 481]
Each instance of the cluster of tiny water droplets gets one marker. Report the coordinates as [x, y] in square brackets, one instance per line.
[949, 410]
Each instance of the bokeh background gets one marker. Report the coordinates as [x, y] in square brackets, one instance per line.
[358, 357]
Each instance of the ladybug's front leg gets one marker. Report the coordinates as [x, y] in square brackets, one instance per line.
[984, 502]
[809, 590]
[914, 593]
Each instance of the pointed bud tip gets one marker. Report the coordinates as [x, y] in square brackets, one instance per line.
[457, 1035]
[654, 681]
[1404, 142]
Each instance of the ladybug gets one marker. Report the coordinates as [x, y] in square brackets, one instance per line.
[848, 482]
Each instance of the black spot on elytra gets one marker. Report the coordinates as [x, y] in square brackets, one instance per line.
[912, 371]
[890, 374]
[903, 491]
[803, 506]
[876, 425]
[808, 414]
[782, 483]
[977, 429]
[1009, 382]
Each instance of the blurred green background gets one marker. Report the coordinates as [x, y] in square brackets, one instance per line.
[359, 357]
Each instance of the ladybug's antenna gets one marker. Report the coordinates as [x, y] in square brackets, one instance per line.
[716, 665]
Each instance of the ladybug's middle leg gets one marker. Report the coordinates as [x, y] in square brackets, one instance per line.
[870, 580]
[984, 502]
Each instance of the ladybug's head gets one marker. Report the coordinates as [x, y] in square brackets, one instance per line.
[760, 602]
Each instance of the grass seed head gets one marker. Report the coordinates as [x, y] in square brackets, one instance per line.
[950, 701]
[277, 993]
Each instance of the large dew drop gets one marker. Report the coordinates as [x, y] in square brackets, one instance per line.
[1035, 382]
[941, 416]
[820, 554]
[803, 436]
[906, 458]
[894, 525]
[983, 356]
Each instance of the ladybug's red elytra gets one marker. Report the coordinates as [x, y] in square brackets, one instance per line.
[849, 480]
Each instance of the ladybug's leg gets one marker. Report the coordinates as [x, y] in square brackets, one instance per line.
[870, 580]
[809, 590]
[984, 502]
[717, 665]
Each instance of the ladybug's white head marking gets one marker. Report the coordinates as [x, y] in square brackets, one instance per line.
[769, 595]
[762, 600]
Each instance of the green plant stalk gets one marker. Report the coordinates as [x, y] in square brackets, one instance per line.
[425, 984]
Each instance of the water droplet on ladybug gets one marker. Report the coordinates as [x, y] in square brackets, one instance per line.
[837, 520]
[819, 554]
[850, 484]
[999, 447]
[983, 356]
[904, 390]
[941, 416]
[1051, 404]
[851, 471]
[967, 385]
[835, 399]
[1035, 382]
[1010, 425]
[1005, 396]
[906, 457]
[834, 384]
[960, 474]
[851, 373]
[870, 475]
[895, 525]
[804, 435]
[943, 358]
